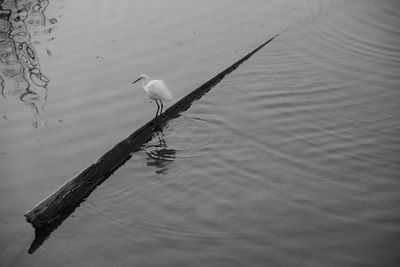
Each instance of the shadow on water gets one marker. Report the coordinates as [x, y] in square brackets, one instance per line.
[20, 73]
[42, 234]
[47, 215]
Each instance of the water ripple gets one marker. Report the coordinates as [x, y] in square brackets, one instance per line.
[194, 136]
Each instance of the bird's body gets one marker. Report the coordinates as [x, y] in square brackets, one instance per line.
[156, 90]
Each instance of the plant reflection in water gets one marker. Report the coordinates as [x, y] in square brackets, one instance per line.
[20, 73]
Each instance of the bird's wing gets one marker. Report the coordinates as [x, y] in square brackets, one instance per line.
[158, 90]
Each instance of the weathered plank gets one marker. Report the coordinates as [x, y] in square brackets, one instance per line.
[58, 206]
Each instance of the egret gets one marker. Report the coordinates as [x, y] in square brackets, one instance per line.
[155, 90]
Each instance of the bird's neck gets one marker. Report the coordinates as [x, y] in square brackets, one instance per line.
[145, 80]
[144, 84]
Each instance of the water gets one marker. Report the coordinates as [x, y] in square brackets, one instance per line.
[293, 159]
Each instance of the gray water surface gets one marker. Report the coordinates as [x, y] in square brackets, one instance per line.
[291, 160]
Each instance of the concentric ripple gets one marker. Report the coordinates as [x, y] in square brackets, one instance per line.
[192, 136]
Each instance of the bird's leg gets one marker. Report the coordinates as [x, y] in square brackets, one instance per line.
[158, 107]
[161, 107]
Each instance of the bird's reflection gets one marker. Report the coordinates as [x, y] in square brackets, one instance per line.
[158, 153]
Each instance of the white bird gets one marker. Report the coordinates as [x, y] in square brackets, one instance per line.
[156, 90]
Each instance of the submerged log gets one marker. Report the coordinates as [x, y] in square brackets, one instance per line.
[49, 213]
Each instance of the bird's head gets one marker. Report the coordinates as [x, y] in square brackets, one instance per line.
[142, 76]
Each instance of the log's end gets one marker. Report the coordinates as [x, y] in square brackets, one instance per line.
[38, 216]
[28, 217]
[31, 218]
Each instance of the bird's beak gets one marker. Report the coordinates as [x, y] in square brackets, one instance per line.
[137, 80]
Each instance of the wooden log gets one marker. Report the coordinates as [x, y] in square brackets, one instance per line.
[49, 213]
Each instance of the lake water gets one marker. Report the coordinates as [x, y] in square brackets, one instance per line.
[291, 160]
